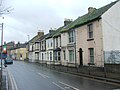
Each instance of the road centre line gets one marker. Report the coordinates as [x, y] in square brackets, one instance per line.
[58, 85]
[44, 76]
[68, 85]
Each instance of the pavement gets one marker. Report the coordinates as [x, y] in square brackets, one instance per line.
[4, 80]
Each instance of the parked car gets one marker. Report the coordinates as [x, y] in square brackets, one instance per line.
[8, 61]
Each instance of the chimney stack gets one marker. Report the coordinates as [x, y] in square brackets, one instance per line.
[67, 21]
[91, 9]
[51, 30]
[40, 33]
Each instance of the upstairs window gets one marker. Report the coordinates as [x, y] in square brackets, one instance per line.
[51, 44]
[71, 36]
[90, 31]
[56, 42]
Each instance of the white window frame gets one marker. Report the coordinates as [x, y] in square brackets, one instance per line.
[90, 31]
[91, 55]
[71, 35]
[71, 58]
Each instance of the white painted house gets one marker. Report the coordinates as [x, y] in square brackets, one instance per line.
[49, 47]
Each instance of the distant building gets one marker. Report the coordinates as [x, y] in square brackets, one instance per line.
[18, 52]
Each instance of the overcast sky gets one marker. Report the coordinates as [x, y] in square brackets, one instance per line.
[29, 16]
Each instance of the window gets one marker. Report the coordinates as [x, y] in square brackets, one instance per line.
[42, 56]
[42, 47]
[47, 55]
[51, 44]
[56, 42]
[71, 36]
[64, 54]
[50, 55]
[71, 55]
[90, 31]
[55, 55]
[48, 44]
[60, 41]
[58, 56]
[91, 55]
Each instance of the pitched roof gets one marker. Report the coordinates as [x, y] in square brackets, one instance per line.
[50, 35]
[58, 31]
[96, 14]
[35, 38]
[42, 37]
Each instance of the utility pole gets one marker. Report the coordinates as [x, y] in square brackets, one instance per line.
[1, 28]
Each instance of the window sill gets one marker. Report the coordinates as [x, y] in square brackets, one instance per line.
[90, 39]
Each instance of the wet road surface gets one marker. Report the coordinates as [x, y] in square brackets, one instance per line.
[31, 76]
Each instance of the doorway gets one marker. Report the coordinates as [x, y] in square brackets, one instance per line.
[81, 56]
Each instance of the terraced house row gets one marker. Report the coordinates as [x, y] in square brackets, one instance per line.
[91, 39]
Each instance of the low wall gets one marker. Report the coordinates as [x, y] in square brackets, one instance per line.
[109, 71]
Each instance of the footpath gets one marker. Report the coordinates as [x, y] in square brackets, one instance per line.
[4, 79]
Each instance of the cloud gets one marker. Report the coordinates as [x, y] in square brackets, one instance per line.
[30, 15]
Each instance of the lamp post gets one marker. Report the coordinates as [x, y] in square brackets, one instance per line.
[28, 46]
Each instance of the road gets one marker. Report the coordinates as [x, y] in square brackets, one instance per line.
[31, 76]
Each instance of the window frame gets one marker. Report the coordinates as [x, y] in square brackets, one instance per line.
[71, 36]
[71, 56]
[91, 55]
[64, 54]
[50, 56]
[90, 31]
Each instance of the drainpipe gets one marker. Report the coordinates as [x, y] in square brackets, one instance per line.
[75, 49]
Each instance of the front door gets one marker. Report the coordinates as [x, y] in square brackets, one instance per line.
[81, 56]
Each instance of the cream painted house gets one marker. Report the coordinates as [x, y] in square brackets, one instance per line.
[96, 35]
[19, 52]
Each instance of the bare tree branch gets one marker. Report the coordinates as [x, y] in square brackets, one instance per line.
[4, 9]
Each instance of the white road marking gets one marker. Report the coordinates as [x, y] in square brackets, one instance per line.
[12, 81]
[68, 85]
[58, 85]
[44, 76]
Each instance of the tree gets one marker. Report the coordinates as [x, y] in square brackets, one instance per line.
[4, 9]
